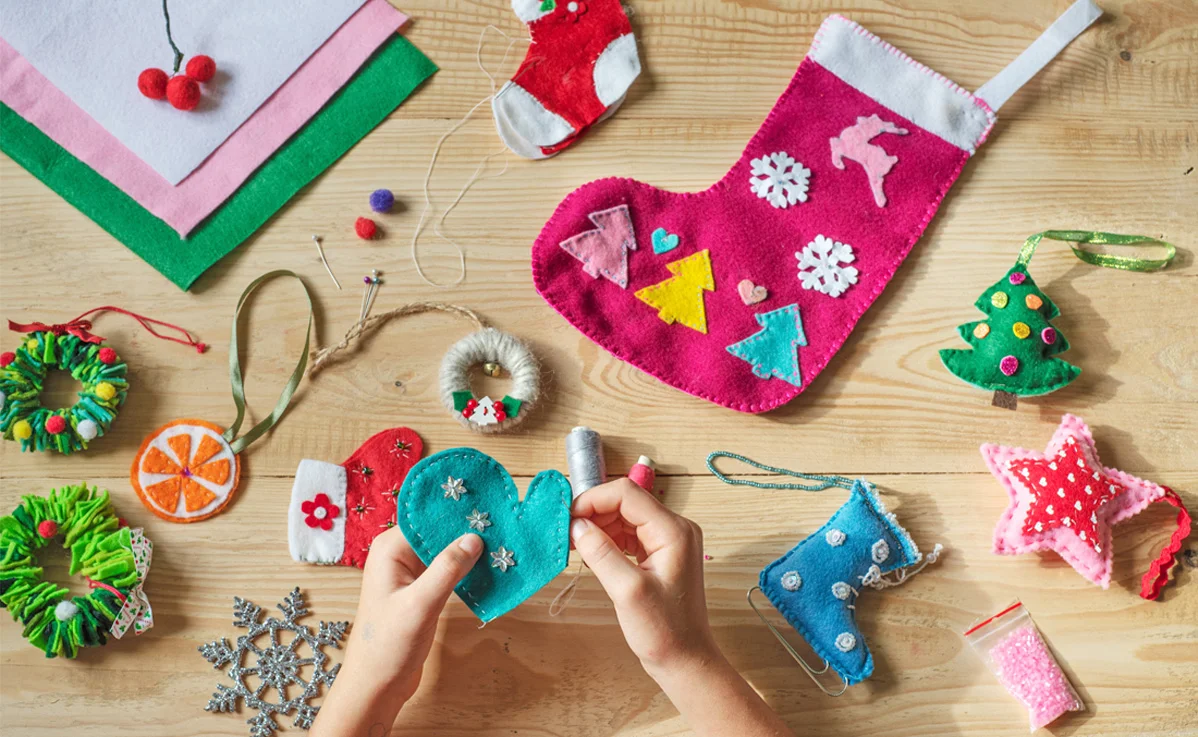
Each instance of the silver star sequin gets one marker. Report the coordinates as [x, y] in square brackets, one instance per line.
[454, 488]
[502, 559]
[479, 520]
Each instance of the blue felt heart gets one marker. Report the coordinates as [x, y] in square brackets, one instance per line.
[664, 242]
[526, 543]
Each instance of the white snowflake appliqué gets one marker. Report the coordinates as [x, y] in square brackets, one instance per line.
[779, 179]
[822, 266]
[278, 664]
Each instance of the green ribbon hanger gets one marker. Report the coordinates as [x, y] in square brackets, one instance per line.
[1110, 261]
[238, 384]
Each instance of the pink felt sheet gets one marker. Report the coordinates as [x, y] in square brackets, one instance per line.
[184, 206]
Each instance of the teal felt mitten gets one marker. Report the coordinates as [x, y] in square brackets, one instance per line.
[526, 543]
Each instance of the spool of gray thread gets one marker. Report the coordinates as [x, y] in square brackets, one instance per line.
[584, 459]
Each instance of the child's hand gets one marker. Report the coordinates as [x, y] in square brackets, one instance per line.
[392, 633]
[659, 598]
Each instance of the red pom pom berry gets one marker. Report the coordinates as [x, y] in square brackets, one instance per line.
[201, 68]
[152, 83]
[47, 528]
[183, 92]
[365, 228]
[55, 424]
[7, 357]
[107, 356]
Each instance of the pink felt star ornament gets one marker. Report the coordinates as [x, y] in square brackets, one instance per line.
[1066, 501]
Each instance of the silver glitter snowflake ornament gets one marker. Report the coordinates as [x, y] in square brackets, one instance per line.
[278, 664]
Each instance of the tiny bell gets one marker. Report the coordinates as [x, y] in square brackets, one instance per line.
[492, 369]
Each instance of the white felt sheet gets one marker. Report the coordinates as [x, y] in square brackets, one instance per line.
[93, 50]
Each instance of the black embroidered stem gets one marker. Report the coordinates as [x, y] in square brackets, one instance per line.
[178, 54]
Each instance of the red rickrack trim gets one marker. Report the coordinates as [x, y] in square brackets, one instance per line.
[91, 584]
[1158, 572]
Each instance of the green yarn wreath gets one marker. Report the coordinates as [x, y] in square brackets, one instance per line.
[101, 550]
[22, 416]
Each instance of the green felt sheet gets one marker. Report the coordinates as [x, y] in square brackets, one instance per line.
[384, 82]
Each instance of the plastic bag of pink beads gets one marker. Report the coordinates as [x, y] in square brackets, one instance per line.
[1012, 647]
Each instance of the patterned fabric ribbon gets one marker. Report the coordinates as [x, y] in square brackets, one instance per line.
[238, 444]
[136, 612]
[1108, 260]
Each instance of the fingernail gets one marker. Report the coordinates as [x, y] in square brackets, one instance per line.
[578, 528]
[471, 543]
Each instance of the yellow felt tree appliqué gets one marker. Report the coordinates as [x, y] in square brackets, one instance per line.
[680, 298]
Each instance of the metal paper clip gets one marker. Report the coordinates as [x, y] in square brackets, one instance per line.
[811, 672]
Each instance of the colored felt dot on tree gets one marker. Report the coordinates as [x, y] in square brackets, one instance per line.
[105, 391]
[1048, 335]
[1021, 330]
[1008, 365]
[22, 430]
[382, 200]
[981, 330]
[31, 344]
[999, 299]
[87, 429]
[55, 424]
[1033, 302]
[1017, 277]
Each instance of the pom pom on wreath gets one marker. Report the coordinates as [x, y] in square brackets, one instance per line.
[201, 68]
[22, 430]
[55, 424]
[87, 429]
[183, 92]
[7, 357]
[365, 228]
[66, 610]
[48, 528]
[381, 200]
[152, 83]
[107, 356]
[105, 391]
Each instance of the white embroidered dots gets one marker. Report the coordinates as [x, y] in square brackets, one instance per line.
[454, 488]
[779, 179]
[841, 590]
[822, 266]
[835, 538]
[503, 559]
[845, 641]
[880, 551]
[791, 580]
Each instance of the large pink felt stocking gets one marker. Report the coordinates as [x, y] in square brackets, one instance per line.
[742, 294]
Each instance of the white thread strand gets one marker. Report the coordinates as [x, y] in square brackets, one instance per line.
[474, 178]
[566, 595]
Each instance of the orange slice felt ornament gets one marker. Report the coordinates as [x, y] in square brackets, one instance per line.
[188, 470]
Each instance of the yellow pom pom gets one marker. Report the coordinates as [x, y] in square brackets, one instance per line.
[1021, 330]
[105, 391]
[31, 345]
[22, 430]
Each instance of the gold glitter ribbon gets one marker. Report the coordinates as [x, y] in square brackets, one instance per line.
[1108, 260]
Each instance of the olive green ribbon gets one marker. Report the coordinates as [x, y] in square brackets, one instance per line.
[235, 379]
[1109, 260]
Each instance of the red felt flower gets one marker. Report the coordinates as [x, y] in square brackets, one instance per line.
[321, 511]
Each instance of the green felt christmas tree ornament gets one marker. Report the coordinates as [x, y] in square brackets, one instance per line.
[1013, 351]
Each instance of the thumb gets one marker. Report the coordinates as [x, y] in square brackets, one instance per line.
[451, 564]
[614, 570]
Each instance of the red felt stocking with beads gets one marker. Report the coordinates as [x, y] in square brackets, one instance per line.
[337, 510]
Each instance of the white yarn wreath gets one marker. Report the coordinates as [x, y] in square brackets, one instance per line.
[491, 346]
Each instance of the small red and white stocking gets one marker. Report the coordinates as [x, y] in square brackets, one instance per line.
[337, 510]
[579, 65]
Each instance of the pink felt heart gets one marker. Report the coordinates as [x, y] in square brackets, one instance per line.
[751, 293]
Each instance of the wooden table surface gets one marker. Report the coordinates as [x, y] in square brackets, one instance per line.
[1105, 138]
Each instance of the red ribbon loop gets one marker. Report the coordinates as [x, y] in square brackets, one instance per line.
[81, 329]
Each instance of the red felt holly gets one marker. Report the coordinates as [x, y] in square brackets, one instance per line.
[321, 512]
[1066, 493]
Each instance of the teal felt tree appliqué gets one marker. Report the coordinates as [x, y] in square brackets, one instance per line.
[1013, 351]
[773, 351]
[526, 543]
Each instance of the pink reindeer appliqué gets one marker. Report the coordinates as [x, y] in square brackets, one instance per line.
[854, 143]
